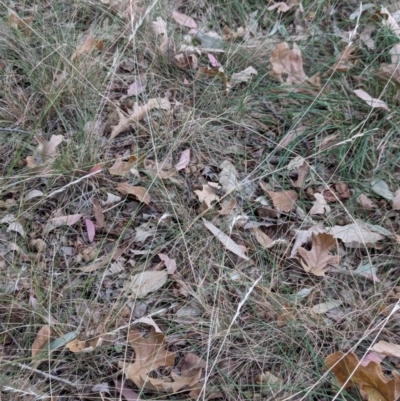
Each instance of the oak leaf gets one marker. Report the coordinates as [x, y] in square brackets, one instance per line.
[317, 260]
[369, 379]
[151, 354]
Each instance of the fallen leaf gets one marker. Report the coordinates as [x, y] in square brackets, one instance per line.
[228, 177]
[183, 160]
[170, 264]
[98, 214]
[144, 231]
[320, 206]
[345, 61]
[207, 194]
[302, 174]
[358, 232]
[372, 102]
[111, 198]
[102, 261]
[213, 61]
[326, 306]
[388, 349]
[382, 189]
[138, 113]
[288, 62]
[16, 227]
[146, 282]
[91, 230]
[292, 135]
[41, 339]
[55, 222]
[242, 76]
[396, 200]
[22, 24]
[86, 45]
[226, 241]
[367, 271]
[151, 354]
[365, 202]
[77, 346]
[387, 19]
[48, 149]
[184, 20]
[318, 259]
[284, 201]
[140, 193]
[121, 168]
[33, 194]
[370, 379]
[214, 72]
[372, 357]
[137, 86]
[282, 7]
[263, 239]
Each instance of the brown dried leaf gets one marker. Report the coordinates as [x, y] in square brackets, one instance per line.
[320, 206]
[138, 113]
[284, 201]
[22, 24]
[282, 7]
[389, 349]
[143, 283]
[374, 103]
[242, 76]
[170, 264]
[103, 261]
[396, 200]
[140, 193]
[86, 45]
[122, 168]
[98, 214]
[41, 339]
[55, 222]
[184, 20]
[288, 62]
[344, 62]
[370, 379]
[151, 354]
[263, 239]
[302, 174]
[183, 160]
[207, 195]
[318, 258]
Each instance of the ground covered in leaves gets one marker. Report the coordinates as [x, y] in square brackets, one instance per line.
[199, 200]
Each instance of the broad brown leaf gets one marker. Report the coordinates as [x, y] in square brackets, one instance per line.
[369, 379]
[151, 354]
[140, 193]
[316, 260]
[41, 339]
[284, 200]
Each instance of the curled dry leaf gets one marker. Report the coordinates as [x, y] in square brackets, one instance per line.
[320, 206]
[225, 240]
[370, 379]
[288, 62]
[151, 354]
[284, 201]
[77, 346]
[140, 193]
[372, 102]
[138, 113]
[41, 339]
[318, 259]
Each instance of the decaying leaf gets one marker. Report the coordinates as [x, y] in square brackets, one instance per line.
[86, 45]
[263, 239]
[170, 264]
[228, 177]
[326, 306]
[367, 271]
[77, 346]
[60, 221]
[225, 240]
[389, 349]
[282, 7]
[98, 214]
[140, 193]
[320, 206]
[146, 282]
[138, 113]
[396, 200]
[370, 379]
[214, 72]
[381, 188]
[184, 20]
[365, 202]
[122, 168]
[47, 150]
[208, 195]
[151, 354]
[13, 224]
[345, 61]
[358, 232]
[288, 62]
[22, 24]
[372, 102]
[284, 201]
[41, 339]
[102, 261]
[183, 160]
[318, 259]
[137, 86]
[242, 76]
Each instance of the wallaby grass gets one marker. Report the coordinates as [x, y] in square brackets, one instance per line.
[238, 341]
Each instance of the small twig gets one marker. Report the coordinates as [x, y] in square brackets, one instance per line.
[44, 374]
